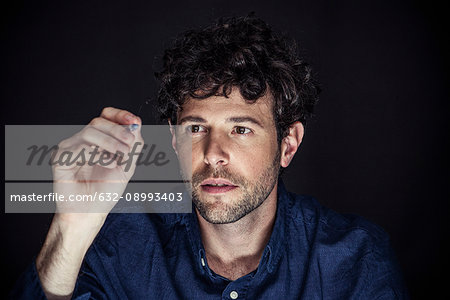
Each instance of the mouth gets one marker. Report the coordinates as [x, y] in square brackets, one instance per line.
[217, 186]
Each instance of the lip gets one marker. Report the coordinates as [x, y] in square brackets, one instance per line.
[217, 181]
[207, 187]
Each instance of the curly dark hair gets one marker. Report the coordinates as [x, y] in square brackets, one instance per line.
[241, 52]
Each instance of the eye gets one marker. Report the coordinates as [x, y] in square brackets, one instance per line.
[242, 130]
[195, 129]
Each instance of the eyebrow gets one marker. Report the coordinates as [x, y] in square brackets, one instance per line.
[237, 119]
[191, 119]
[244, 119]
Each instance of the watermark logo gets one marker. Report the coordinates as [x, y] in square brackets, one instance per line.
[50, 168]
[148, 156]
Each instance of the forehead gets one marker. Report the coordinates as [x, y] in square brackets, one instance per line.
[236, 105]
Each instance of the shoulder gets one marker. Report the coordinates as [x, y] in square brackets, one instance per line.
[345, 247]
[351, 243]
[328, 225]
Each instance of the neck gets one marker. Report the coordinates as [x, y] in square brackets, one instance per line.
[235, 249]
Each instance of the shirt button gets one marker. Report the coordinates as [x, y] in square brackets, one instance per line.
[234, 295]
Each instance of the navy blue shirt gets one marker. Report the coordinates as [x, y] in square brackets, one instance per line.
[313, 253]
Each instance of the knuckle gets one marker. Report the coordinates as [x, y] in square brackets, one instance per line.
[114, 146]
[122, 148]
[122, 113]
[106, 143]
[62, 144]
[126, 136]
[95, 121]
[105, 110]
[87, 131]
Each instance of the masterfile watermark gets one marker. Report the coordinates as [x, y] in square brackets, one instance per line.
[153, 181]
[44, 153]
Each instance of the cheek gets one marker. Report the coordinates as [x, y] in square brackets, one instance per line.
[253, 161]
[185, 156]
[196, 158]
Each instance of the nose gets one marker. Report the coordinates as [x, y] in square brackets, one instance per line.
[215, 153]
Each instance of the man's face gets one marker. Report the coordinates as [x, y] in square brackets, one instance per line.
[235, 154]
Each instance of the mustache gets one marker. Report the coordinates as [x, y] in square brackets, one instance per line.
[199, 176]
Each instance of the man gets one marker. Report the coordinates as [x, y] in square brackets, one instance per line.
[243, 96]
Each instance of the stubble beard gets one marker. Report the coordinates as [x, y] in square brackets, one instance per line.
[253, 193]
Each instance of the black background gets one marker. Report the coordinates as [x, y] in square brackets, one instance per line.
[378, 146]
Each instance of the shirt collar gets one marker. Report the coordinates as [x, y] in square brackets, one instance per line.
[273, 250]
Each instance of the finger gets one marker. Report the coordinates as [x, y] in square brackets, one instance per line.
[119, 132]
[119, 116]
[83, 155]
[136, 150]
[68, 157]
[92, 136]
[105, 159]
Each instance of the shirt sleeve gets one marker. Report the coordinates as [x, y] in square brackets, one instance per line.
[29, 286]
[87, 286]
[384, 280]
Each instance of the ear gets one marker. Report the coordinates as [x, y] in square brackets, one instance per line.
[174, 136]
[290, 143]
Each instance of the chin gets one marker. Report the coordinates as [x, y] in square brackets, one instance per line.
[219, 212]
